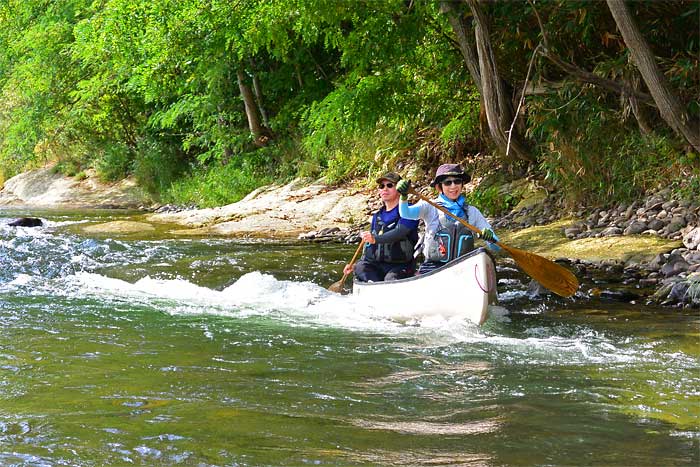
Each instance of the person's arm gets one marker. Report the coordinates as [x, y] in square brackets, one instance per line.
[479, 221]
[407, 211]
[400, 232]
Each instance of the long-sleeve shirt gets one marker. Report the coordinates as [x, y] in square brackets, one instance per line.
[431, 215]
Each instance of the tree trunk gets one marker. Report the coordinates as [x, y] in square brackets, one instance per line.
[669, 106]
[499, 111]
[250, 109]
[258, 95]
[466, 46]
[638, 112]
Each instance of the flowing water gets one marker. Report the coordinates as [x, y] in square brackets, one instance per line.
[156, 350]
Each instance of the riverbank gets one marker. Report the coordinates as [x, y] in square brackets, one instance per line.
[646, 251]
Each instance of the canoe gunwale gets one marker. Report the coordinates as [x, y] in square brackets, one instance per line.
[434, 272]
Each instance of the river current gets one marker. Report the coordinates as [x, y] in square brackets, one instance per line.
[157, 350]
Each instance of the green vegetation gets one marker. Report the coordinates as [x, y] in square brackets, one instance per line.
[203, 101]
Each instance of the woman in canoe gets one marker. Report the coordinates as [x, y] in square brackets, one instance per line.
[445, 238]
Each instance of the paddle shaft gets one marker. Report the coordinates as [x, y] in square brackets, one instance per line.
[352, 261]
[551, 275]
[440, 208]
[338, 286]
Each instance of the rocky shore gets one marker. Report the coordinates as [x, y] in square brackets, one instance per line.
[670, 278]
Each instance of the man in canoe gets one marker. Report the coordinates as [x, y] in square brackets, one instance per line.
[445, 238]
[391, 240]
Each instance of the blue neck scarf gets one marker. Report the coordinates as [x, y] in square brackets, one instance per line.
[458, 207]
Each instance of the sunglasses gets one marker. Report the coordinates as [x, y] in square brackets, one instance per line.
[385, 185]
[451, 181]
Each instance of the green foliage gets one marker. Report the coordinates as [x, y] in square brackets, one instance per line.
[591, 155]
[214, 186]
[151, 88]
[462, 127]
[492, 201]
[115, 163]
[159, 165]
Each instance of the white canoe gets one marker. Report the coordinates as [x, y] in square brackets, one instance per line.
[463, 288]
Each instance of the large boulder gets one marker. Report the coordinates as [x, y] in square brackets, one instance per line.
[46, 188]
[277, 212]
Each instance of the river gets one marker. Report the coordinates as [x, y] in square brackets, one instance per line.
[154, 350]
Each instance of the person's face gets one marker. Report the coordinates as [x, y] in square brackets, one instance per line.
[387, 191]
[451, 187]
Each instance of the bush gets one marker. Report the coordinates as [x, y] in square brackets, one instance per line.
[157, 165]
[491, 201]
[116, 163]
[216, 185]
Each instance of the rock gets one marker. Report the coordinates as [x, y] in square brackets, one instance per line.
[656, 224]
[630, 211]
[669, 205]
[618, 295]
[119, 227]
[26, 222]
[656, 263]
[611, 232]
[692, 239]
[46, 188]
[572, 232]
[674, 266]
[678, 292]
[635, 227]
[536, 290]
[662, 292]
[676, 224]
[653, 205]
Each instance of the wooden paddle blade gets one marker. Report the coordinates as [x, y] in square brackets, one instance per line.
[551, 275]
[337, 287]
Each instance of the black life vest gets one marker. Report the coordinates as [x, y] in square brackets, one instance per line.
[396, 252]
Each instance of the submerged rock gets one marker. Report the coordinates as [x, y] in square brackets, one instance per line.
[26, 222]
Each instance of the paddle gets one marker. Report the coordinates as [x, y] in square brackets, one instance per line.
[338, 286]
[551, 275]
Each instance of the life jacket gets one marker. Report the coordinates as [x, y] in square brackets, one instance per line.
[396, 252]
[451, 240]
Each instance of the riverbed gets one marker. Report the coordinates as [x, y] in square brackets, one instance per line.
[152, 350]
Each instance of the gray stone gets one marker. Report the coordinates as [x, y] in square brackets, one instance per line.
[654, 203]
[679, 291]
[676, 224]
[669, 205]
[635, 227]
[611, 232]
[674, 266]
[692, 239]
[679, 210]
[656, 224]
[662, 292]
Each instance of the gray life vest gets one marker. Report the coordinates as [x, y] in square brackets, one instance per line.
[450, 241]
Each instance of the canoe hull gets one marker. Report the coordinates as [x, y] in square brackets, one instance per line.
[463, 289]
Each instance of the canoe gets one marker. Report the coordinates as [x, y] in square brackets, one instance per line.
[463, 288]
